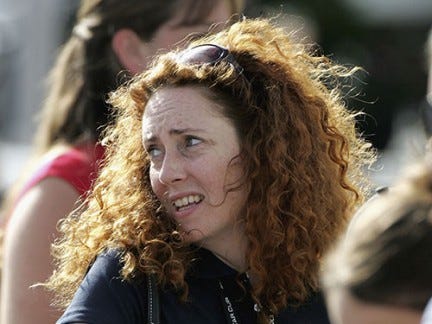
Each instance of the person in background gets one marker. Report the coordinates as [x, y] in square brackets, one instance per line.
[380, 272]
[111, 40]
[230, 169]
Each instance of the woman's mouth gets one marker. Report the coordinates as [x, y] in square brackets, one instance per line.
[185, 202]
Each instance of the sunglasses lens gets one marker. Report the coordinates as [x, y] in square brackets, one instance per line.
[208, 54]
[202, 55]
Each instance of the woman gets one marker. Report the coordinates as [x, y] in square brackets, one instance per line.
[230, 169]
[111, 40]
[381, 271]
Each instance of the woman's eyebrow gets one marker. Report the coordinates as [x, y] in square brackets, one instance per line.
[180, 131]
[174, 131]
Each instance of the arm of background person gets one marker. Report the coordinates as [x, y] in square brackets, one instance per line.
[26, 255]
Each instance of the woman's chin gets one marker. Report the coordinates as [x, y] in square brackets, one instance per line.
[192, 236]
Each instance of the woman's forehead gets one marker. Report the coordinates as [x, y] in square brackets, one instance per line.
[177, 98]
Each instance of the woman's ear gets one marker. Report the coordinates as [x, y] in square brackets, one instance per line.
[131, 51]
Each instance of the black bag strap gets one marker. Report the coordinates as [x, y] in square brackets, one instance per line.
[153, 310]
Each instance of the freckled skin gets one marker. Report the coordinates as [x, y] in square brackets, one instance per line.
[192, 147]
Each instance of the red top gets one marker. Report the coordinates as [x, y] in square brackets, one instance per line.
[78, 166]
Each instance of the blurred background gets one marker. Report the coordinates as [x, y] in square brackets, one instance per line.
[386, 38]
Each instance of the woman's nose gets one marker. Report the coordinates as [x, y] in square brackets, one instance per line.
[172, 169]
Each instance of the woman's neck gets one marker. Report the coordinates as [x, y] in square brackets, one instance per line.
[237, 263]
[231, 252]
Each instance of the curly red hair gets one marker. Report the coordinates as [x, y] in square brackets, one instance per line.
[303, 158]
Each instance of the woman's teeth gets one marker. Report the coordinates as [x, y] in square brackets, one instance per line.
[185, 201]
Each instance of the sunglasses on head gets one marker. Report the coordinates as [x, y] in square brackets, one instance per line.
[208, 54]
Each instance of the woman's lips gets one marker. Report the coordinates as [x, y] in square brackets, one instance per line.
[185, 204]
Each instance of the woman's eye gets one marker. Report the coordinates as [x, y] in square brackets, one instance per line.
[192, 141]
[153, 152]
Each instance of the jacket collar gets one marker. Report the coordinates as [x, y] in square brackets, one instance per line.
[206, 265]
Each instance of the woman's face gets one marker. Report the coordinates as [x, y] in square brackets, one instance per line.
[194, 152]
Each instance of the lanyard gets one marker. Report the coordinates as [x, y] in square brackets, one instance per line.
[228, 308]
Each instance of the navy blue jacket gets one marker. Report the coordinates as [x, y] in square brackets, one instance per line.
[104, 298]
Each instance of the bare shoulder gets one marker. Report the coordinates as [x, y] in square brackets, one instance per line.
[32, 226]
[48, 201]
